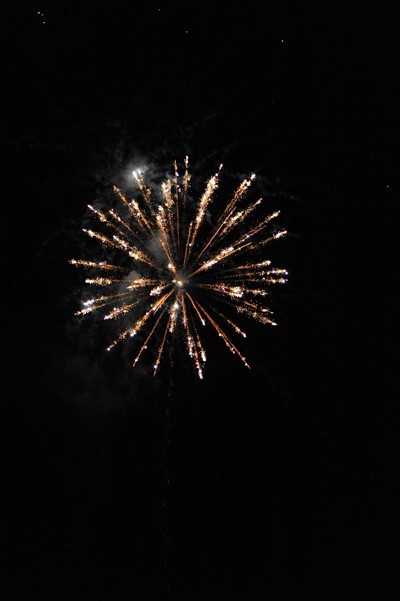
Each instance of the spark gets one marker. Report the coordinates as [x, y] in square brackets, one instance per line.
[177, 273]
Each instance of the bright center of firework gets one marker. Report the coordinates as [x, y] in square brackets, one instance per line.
[180, 281]
[193, 277]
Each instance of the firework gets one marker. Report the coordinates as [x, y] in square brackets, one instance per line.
[177, 274]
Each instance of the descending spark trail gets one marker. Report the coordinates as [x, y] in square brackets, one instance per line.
[186, 279]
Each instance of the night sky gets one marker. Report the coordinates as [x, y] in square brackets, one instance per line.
[276, 481]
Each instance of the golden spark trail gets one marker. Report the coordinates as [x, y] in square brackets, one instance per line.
[197, 350]
[102, 281]
[132, 331]
[103, 218]
[185, 258]
[231, 323]
[94, 304]
[177, 205]
[248, 266]
[100, 265]
[121, 245]
[161, 348]
[228, 211]
[141, 283]
[196, 309]
[166, 188]
[186, 180]
[244, 307]
[203, 204]
[114, 215]
[144, 345]
[224, 337]
[117, 311]
[134, 210]
[238, 218]
[240, 244]
[146, 192]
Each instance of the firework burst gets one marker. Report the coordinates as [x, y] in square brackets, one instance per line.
[178, 276]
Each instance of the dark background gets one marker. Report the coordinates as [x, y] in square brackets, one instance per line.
[282, 478]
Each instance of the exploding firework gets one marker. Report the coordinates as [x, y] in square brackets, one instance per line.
[178, 276]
